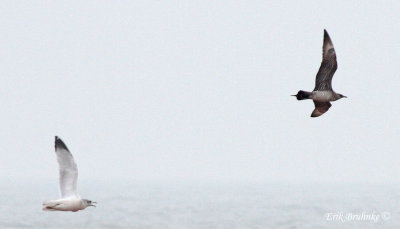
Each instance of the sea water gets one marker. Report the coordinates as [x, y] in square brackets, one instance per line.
[145, 204]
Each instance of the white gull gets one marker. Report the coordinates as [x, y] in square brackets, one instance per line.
[70, 199]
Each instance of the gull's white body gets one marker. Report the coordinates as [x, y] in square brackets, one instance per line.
[64, 205]
[70, 200]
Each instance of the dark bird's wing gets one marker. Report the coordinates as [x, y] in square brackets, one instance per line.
[67, 169]
[320, 108]
[328, 66]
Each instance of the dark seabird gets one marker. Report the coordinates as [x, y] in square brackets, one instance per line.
[323, 92]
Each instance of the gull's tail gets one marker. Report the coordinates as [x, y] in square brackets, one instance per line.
[48, 209]
[48, 205]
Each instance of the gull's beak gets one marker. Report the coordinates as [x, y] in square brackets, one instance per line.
[292, 95]
[93, 204]
[344, 96]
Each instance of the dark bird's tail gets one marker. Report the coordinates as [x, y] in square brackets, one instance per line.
[301, 95]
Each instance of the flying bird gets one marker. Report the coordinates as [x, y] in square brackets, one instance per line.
[323, 93]
[68, 171]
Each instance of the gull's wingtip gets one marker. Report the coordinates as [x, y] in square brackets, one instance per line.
[57, 139]
[58, 143]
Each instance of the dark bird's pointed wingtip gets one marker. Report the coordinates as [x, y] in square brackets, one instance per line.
[326, 34]
[327, 44]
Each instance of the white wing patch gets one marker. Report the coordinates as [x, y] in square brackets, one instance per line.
[67, 169]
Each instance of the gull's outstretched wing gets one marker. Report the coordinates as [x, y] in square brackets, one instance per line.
[323, 81]
[320, 108]
[68, 170]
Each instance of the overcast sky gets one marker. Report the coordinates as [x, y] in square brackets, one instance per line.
[198, 90]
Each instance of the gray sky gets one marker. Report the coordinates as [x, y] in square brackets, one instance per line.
[198, 90]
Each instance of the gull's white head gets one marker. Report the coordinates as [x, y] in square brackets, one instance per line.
[89, 203]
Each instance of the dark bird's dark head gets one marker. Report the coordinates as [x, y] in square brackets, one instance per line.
[339, 96]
